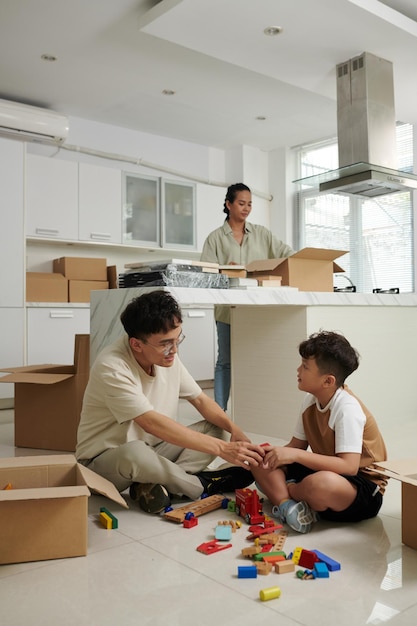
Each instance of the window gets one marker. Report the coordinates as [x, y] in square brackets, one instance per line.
[377, 232]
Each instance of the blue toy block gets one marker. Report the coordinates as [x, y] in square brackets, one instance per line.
[320, 570]
[332, 565]
[247, 571]
[223, 532]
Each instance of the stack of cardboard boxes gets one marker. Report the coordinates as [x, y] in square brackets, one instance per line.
[72, 280]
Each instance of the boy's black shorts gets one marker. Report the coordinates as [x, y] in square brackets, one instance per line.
[367, 503]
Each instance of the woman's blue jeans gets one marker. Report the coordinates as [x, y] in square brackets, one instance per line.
[222, 369]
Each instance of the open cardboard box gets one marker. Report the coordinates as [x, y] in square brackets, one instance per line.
[44, 514]
[48, 400]
[405, 470]
[310, 269]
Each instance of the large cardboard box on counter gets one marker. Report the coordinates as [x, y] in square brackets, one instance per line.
[78, 268]
[310, 269]
[405, 470]
[44, 514]
[79, 290]
[48, 400]
[46, 287]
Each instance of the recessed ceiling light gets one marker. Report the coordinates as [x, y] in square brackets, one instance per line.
[168, 92]
[48, 57]
[271, 31]
[261, 118]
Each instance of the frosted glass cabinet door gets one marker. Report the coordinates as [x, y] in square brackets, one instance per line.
[178, 215]
[141, 222]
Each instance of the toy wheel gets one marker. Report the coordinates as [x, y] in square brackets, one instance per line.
[247, 518]
[237, 510]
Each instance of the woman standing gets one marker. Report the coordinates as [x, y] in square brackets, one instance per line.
[236, 242]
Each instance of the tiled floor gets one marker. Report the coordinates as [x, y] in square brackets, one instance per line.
[148, 572]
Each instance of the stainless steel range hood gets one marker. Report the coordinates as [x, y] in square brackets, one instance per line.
[366, 132]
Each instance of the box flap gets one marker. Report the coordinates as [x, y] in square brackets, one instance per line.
[35, 378]
[45, 276]
[102, 486]
[36, 461]
[404, 470]
[318, 254]
[43, 493]
[264, 265]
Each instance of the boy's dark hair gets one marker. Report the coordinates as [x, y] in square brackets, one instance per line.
[333, 354]
[231, 196]
[151, 313]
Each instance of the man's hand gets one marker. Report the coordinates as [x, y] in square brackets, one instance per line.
[242, 453]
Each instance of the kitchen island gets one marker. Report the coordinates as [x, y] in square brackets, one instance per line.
[267, 326]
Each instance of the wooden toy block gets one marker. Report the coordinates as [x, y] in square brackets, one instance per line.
[210, 547]
[223, 533]
[231, 506]
[306, 574]
[269, 594]
[258, 531]
[250, 552]
[199, 507]
[283, 567]
[263, 568]
[273, 559]
[267, 556]
[247, 571]
[296, 555]
[190, 522]
[307, 559]
[106, 520]
[115, 522]
[320, 570]
[332, 565]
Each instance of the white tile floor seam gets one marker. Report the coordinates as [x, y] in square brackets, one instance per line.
[148, 571]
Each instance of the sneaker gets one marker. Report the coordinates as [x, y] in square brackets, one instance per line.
[227, 479]
[151, 498]
[298, 515]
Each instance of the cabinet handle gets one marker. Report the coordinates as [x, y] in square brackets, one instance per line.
[61, 314]
[196, 313]
[52, 232]
[100, 236]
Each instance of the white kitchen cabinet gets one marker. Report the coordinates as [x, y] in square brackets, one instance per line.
[12, 338]
[51, 333]
[197, 351]
[178, 215]
[11, 223]
[100, 204]
[51, 198]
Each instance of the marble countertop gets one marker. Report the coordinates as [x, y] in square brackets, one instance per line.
[261, 296]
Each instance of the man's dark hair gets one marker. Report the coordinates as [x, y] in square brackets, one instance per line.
[333, 354]
[151, 313]
[231, 194]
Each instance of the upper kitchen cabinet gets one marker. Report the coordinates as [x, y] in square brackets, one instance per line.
[100, 204]
[11, 223]
[178, 215]
[141, 213]
[159, 213]
[51, 198]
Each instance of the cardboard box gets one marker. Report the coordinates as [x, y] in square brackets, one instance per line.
[405, 470]
[77, 268]
[79, 290]
[310, 269]
[45, 512]
[48, 400]
[233, 271]
[46, 287]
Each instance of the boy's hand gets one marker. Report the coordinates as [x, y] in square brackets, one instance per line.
[279, 456]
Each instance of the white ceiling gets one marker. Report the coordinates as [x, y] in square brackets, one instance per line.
[115, 57]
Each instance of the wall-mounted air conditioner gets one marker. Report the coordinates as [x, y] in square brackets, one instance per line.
[28, 123]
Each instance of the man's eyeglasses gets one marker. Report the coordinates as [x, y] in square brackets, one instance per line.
[165, 347]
